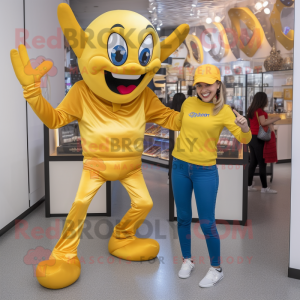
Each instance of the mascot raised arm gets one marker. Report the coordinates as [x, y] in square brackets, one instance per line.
[118, 54]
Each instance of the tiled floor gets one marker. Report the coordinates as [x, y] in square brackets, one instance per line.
[255, 266]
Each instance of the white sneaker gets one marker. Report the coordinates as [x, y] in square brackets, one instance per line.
[251, 189]
[268, 191]
[211, 278]
[186, 268]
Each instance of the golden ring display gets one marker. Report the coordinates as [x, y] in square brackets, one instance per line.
[287, 41]
[246, 15]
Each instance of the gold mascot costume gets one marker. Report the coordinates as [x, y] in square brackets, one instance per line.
[118, 55]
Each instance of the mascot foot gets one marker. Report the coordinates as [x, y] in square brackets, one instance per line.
[133, 248]
[57, 274]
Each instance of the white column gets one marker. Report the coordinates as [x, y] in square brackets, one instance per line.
[294, 262]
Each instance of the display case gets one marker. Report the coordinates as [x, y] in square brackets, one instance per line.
[278, 85]
[228, 146]
[236, 92]
[156, 145]
[232, 198]
[63, 169]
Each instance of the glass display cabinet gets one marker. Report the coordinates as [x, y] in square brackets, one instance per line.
[156, 145]
[236, 92]
[278, 85]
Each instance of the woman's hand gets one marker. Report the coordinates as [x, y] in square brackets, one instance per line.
[241, 122]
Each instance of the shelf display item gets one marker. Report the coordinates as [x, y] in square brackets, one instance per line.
[274, 61]
[289, 80]
[287, 63]
[165, 154]
[228, 146]
[288, 94]
[69, 139]
[153, 130]
[240, 66]
[277, 94]
[153, 151]
[164, 133]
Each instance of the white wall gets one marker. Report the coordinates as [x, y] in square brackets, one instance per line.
[13, 150]
[40, 20]
[48, 26]
[295, 194]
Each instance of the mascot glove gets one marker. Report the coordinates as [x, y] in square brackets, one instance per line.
[29, 78]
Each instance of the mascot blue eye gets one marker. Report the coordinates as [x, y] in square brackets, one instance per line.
[145, 51]
[117, 49]
[144, 56]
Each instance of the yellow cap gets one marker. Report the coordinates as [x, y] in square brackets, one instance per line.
[207, 73]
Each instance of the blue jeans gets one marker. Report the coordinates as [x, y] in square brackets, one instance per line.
[205, 182]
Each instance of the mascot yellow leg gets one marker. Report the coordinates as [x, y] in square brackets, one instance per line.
[63, 266]
[123, 242]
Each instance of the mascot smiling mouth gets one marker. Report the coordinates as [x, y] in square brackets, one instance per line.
[122, 84]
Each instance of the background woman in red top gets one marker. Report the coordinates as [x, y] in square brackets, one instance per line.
[256, 145]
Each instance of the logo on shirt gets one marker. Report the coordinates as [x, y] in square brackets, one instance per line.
[194, 115]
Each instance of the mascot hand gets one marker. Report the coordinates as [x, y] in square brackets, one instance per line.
[23, 69]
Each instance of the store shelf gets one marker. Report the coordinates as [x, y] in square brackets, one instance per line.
[157, 137]
[155, 160]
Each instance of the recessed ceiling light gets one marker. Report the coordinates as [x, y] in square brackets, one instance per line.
[217, 19]
[208, 20]
[265, 3]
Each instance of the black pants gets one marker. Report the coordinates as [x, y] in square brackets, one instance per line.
[256, 158]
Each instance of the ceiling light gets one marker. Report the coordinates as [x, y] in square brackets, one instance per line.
[158, 28]
[267, 11]
[208, 20]
[160, 23]
[217, 19]
[265, 3]
[194, 33]
[258, 5]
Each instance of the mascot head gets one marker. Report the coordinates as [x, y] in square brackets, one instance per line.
[119, 53]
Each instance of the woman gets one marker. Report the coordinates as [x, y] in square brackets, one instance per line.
[194, 165]
[256, 113]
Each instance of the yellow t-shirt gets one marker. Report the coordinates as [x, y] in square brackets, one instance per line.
[200, 131]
